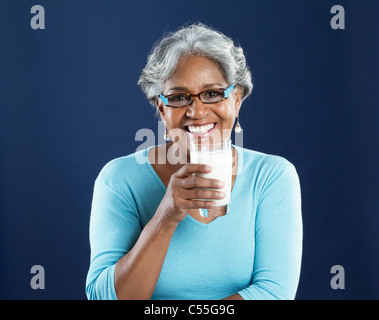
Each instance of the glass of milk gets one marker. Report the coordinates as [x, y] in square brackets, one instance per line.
[219, 157]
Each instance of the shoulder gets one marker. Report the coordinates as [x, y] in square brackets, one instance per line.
[270, 175]
[121, 169]
[263, 162]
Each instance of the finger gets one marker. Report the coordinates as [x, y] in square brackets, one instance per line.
[201, 182]
[197, 204]
[202, 194]
[188, 169]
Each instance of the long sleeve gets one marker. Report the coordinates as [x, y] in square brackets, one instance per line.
[278, 237]
[254, 250]
[114, 228]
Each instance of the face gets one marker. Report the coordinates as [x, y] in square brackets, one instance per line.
[195, 74]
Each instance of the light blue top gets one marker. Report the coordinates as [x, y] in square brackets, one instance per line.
[255, 250]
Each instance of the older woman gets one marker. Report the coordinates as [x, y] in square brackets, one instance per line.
[148, 239]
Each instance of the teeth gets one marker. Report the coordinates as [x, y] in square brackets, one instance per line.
[201, 129]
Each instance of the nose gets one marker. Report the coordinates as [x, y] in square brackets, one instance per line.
[197, 109]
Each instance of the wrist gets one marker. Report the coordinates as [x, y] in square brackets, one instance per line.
[165, 222]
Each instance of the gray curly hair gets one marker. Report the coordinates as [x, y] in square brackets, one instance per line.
[195, 39]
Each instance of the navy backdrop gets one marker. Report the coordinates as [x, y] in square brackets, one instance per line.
[69, 103]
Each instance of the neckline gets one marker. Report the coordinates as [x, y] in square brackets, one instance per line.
[189, 217]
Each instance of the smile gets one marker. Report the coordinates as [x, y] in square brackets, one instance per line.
[200, 129]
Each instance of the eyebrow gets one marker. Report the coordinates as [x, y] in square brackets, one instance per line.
[205, 87]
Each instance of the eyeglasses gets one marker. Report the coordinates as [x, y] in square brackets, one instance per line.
[179, 100]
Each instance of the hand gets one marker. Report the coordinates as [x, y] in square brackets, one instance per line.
[184, 190]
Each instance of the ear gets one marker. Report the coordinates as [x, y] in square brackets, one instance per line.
[160, 106]
[238, 98]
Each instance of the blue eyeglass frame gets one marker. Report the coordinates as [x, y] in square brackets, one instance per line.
[227, 92]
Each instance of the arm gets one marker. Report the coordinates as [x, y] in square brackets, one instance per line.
[278, 237]
[140, 267]
[137, 273]
[133, 274]
[234, 297]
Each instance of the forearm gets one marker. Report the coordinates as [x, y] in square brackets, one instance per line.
[137, 273]
[234, 297]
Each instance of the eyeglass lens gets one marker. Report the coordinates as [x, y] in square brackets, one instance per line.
[183, 99]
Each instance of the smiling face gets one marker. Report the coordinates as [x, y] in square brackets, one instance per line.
[195, 74]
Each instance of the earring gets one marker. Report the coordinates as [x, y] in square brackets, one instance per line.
[166, 136]
[237, 127]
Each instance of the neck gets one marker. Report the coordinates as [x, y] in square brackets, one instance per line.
[177, 155]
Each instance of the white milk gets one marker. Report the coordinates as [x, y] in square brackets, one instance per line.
[221, 163]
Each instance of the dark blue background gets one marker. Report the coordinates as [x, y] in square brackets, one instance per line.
[69, 103]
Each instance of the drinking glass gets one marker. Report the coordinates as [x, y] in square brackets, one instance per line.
[219, 157]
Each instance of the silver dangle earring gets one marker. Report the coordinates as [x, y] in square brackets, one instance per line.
[237, 127]
[166, 136]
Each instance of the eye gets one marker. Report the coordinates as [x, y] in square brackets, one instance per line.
[178, 97]
[213, 94]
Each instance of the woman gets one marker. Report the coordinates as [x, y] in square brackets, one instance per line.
[148, 239]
